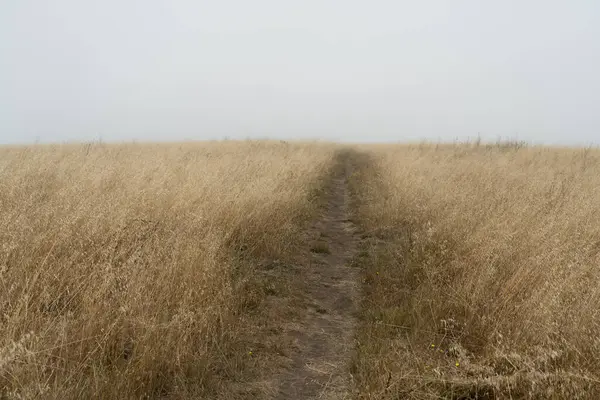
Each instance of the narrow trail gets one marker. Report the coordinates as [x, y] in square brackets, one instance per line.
[323, 333]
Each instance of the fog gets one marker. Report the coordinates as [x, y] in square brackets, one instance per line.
[334, 70]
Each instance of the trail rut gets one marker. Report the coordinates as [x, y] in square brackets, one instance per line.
[322, 335]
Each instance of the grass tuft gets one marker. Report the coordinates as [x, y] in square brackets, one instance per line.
[320, 247]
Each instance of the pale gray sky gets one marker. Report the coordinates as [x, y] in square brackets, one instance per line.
[344, 70]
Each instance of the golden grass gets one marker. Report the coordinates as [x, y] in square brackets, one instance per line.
[122, 267]
[482, 272]
[127, 271]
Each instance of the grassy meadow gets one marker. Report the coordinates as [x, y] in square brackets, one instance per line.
[127, 271]
[482, 272]
[123, 268]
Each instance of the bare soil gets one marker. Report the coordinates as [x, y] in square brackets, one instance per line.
[322, 333]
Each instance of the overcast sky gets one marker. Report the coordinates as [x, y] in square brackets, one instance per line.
[343, 70]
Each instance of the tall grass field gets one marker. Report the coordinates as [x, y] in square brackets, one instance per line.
[127, 271]
[482, 265]
[118, 263]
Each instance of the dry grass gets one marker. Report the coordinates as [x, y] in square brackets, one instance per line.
[129, 271]
[482, 272]
[124, 268]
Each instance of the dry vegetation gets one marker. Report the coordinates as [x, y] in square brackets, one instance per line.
[132, 271]
[482, 275]
[124, 269]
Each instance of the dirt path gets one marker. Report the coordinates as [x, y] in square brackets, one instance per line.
[322, 334]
